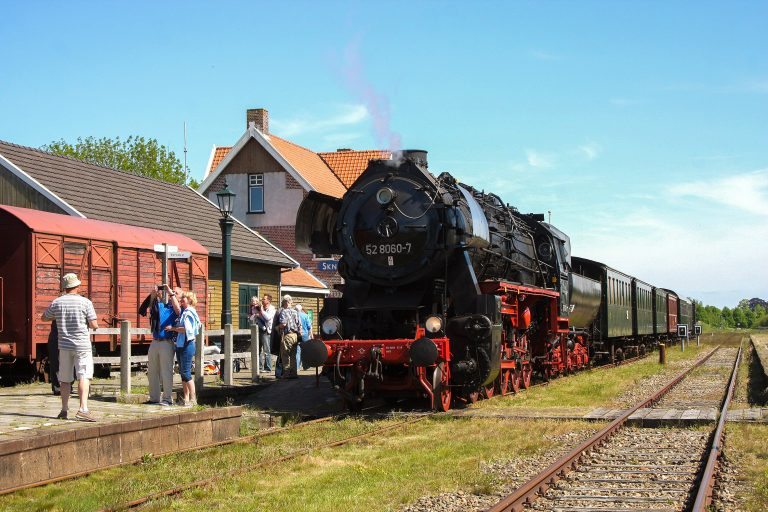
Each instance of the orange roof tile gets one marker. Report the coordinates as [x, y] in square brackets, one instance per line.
[218, 155]
[348, 165]
[311, 167]
[300, 277]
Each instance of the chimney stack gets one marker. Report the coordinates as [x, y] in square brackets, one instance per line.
[259, 117]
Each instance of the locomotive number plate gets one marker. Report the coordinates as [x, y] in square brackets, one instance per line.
[377, 249]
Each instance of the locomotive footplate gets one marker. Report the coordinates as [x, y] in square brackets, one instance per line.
[395, 351]
[383, 367]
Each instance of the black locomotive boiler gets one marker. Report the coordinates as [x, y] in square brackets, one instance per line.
[447, 290]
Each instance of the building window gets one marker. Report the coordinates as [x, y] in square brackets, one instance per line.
[256, 193]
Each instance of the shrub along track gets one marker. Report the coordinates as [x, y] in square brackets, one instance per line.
[636, 469]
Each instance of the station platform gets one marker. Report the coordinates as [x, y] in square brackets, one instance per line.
[35, 446]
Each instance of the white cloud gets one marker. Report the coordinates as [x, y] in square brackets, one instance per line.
[747, 192]
[539, 160]
[542, 55]
[710, 259]
[348, 115]
[590, 150]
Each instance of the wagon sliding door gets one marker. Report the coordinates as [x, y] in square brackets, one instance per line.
[47, 285]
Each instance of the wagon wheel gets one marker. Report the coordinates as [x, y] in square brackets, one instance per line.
[514, 380]
[440, 390]
[505, 382]
[525, 376]
[502, 383]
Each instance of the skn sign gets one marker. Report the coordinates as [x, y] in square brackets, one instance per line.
[328, 265]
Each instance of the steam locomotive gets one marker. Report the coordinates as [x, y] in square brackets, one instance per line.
[449, 293]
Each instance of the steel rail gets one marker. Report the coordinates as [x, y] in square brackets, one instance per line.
[207, 481]
[528, 492]
[707, 485]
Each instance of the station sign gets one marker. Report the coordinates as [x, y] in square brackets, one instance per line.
[179, 255]
[328, 265]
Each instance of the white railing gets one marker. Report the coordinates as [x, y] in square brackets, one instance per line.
[126, 359]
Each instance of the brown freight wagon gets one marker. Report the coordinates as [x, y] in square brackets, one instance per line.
[117, 265]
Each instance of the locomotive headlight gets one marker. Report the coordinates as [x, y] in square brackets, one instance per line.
[385, 196]
[433, 324]
[331, 325]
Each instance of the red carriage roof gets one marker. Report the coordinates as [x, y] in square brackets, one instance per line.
[123, 235]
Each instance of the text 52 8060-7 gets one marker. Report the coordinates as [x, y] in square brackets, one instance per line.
[375, 249]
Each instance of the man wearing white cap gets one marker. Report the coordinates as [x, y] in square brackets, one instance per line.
[74, 314]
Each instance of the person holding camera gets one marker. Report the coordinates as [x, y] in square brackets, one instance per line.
[264, 316]
[162, 313]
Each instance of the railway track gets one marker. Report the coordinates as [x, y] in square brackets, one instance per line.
[368, 411]
[648, 469]
[138, 503]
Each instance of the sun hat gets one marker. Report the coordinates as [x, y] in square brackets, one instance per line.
[70, 281]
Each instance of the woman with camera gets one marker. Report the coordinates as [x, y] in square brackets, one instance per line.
[162, 313]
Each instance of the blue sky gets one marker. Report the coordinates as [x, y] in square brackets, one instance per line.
[641, 126]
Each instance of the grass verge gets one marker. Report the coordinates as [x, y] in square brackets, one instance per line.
[598, 387]
[747, 449]
[380, 473]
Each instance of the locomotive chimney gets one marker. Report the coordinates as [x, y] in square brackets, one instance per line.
[259, 117]
[417, 156]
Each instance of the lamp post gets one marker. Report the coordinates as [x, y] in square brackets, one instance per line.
[226, 200]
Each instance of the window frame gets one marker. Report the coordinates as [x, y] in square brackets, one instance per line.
[256, 177]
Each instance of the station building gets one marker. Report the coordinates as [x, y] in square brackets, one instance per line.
[271, 176]
[35, 179]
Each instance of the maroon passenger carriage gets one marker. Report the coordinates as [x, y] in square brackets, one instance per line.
[448, 293]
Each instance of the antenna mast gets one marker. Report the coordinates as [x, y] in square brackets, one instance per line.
[186, 169]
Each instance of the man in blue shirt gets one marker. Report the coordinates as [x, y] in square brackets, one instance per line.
[162, 349]
[306, 331]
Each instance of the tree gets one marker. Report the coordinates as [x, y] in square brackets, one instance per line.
[137, 155]
[727, 315]
[739, 319]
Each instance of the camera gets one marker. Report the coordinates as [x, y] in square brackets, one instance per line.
[160, 287]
